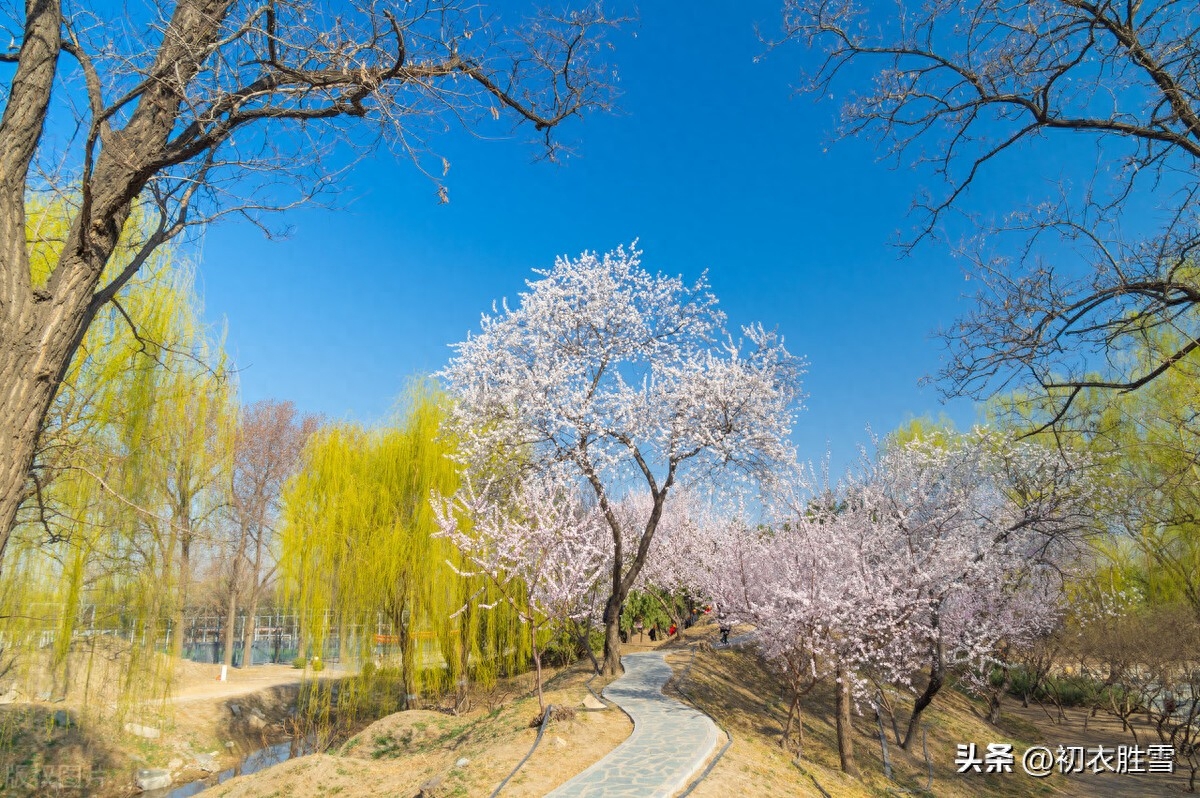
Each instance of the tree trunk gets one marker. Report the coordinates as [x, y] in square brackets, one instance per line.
[937, 676]
[250, 628]
[585, 643]
[37, 338]
[997, 696]
[252, 600]
[623, 580]
[21, 411]
[38, 331]
[793, 714]
[42, 327]
[845, 730]
[185, 565]
[537, 667]
[230, 623]
[612, 636]
[408, 660]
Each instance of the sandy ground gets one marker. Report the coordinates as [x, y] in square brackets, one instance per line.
[202, 682]
[1101, 730]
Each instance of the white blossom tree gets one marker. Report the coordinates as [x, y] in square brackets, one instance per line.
[624, 377]
[965, 522]
[937, 556]
[536, 542]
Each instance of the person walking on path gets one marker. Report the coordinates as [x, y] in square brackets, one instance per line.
[726, 627]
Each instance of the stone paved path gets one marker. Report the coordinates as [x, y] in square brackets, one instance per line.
[670, 740]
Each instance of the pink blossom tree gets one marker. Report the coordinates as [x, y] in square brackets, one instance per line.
[535, 542]
[979, 527]
[935, 556]
[624, 377]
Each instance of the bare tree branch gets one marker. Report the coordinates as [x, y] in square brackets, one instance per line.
[203, 108]
[1071, 285]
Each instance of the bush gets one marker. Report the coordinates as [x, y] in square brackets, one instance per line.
[1074, 691]
[1020, 684]
[1067, 691]
[560, 651]
[299, 663]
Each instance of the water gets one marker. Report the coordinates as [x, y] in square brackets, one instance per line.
[258, 760]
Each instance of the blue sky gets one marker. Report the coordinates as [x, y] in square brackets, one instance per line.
[712, 162]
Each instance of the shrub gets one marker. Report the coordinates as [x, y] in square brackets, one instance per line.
[560, 651]
[1067, 691]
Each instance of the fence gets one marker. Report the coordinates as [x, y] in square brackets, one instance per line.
[276, 639]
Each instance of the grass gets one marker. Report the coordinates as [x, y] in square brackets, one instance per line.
[744, 697]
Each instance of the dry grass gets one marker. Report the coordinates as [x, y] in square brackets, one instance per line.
[76, 744]
[1077, 728]
[396, 755]
[745, 698]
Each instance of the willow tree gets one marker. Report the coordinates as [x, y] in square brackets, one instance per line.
[359, 550]
[1150, 439]
[95, 536]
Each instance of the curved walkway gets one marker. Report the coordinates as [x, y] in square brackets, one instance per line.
[670, 742]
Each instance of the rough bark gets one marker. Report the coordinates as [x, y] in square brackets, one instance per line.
[41, 328]
[230, 623]
[937, 678]
[624, 577]
[28, 357]
[845, 728]
[612, 636]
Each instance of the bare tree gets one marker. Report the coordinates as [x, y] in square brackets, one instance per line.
[270, 436]
[209, 107]
[972, 88]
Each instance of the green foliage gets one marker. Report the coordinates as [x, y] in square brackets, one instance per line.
[360, 556]
[923, 428]
[1064, 690]
[562, 649]
[650, 607]
[1148, 494]
[127, 478]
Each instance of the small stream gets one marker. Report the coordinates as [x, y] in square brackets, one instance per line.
[261, 759]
